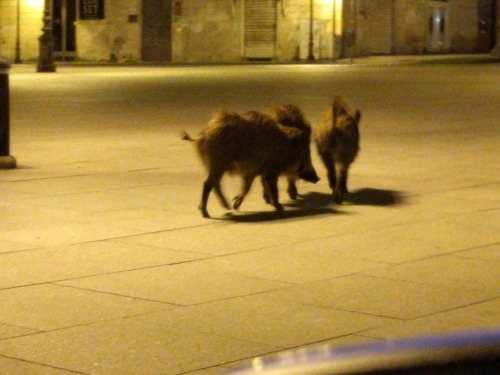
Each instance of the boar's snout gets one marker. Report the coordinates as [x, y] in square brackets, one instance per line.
[309, 175]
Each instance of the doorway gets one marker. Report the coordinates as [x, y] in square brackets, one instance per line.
[63, 29]
[157, 30]
[438, 19]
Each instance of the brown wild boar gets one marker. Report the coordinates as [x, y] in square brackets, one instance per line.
[337, 141]
[251, 144]
[290, 115]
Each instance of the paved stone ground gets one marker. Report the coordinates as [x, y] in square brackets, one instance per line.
[107, 267]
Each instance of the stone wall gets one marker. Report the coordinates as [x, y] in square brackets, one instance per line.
[212, 30]
[30, 28]
[293, 30]
[412, 26]
[463, 27]
[114, 37]
[207, 31]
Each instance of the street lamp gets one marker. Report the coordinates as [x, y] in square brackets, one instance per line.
[45, 57]
[310, 56]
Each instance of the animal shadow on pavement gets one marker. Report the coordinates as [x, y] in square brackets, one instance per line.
[307, 205]
[314, 204]
[375, 197]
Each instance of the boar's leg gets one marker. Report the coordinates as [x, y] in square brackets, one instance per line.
[265, 191]
[211, 182]
[292, 187]
[329, 165]
[271, 186]
[341, 183]
[204, 198]
[247, 183]
[221, 196]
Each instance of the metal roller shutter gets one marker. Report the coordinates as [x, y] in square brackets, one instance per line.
[260, 29]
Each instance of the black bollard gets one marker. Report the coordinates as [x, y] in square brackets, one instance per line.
[6, 160]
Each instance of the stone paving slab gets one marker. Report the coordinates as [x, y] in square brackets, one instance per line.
[129, 346]
[54, 307]
[107, 266]
[53, 264]
[393, 298]
[174, 284]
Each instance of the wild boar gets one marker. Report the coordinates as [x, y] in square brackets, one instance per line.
[291, 115]
[337, 141]
[250, 144]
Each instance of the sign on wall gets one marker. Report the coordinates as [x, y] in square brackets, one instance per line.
[91, 9]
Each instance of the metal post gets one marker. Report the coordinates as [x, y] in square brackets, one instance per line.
[310, 56]
[46, 55]
[6, 161]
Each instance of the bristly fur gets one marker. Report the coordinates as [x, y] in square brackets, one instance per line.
[249, 144]
[337, 141]
[291, 116]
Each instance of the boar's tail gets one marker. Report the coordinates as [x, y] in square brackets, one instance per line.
[186, 137]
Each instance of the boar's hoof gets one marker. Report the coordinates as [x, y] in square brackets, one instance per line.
[337, 198]
[278, 207]
[292, 192]
[204, 211]
[237, 202]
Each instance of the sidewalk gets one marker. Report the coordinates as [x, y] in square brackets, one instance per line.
[483, 58]
[107, 267]
[422, 59]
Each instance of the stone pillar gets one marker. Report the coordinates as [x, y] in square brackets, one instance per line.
[6, 160]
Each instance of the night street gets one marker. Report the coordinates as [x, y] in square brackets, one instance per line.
[108, 267]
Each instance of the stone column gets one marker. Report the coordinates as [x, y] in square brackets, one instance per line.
[6, 160]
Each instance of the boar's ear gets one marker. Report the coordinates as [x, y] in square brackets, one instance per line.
[357, 116]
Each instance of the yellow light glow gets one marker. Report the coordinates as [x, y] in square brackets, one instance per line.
[338, 16]
[323, 9]
[33, 3]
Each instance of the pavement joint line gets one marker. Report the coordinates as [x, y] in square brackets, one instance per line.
[41, 364]
[453, 253]
[353, 312]
[143, 170]
[56, 283]
[478, 247]
[452, 309]
[460, 188]
[45, 178]
[41, 332]
[472, 213]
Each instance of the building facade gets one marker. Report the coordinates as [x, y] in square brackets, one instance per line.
[213, 31]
